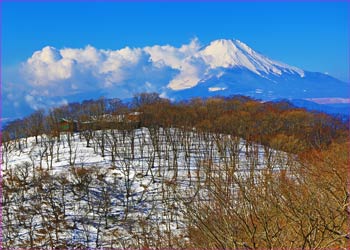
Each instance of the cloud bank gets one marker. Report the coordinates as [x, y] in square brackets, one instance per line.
[57, 72]
[55, 76]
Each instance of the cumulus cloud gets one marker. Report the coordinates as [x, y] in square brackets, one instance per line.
[190, 74]
[171, 56]
[47, 66]
[190, 69]
[55, 72]
[53, 76]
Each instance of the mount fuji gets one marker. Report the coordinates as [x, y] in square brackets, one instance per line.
[224, 67]
[232, 67]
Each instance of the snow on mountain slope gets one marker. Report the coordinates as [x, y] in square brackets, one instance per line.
[234, 53]
[224, 54]
[226, 67]
[232, 67]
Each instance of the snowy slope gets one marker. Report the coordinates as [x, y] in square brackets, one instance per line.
[234, 53]
[222, 55]
[139, 182]
[230, 67]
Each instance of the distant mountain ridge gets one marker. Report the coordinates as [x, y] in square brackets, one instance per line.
[223, 67]
[235, 68]
[333, 109]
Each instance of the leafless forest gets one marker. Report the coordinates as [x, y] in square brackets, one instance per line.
[207, 173]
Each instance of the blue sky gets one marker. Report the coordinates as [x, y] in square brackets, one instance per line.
[313, 36]
[310, 35]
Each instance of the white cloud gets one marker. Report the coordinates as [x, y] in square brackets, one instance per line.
[170, 56]
[65, 71]
[47, 66]
[119, 65]
[179, 59]
[54, 76]
[89, 56]
[189, 76]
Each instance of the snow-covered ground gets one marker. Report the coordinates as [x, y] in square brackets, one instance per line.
[125, 185]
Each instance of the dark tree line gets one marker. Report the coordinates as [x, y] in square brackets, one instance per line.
[274, 124]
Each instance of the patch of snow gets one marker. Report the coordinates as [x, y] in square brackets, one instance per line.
[146, 164]
[213, 89]
[234, 53]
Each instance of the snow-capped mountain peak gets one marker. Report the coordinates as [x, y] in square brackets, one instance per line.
[227, 53]
[229, 67]
[223, 67]
[221, 56]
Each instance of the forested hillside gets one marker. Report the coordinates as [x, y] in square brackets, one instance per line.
[219, 172]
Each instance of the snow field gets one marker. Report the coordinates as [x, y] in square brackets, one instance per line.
[127, 188]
